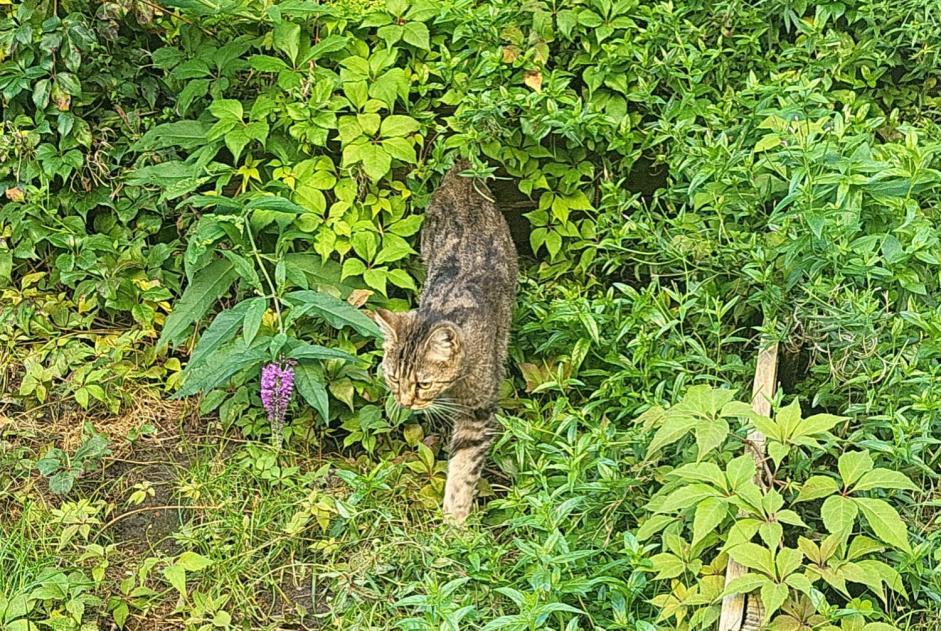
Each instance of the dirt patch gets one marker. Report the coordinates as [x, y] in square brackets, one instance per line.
[295, 602]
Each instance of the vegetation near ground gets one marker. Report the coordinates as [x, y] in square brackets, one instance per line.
[194, 189]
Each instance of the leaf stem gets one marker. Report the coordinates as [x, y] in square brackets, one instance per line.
[264, 270]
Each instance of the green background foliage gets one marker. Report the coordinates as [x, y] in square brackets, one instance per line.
[194, 188]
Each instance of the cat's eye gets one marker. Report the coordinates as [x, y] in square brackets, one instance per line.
[424, 385]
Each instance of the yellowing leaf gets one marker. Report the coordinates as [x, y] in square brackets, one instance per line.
[533, 79]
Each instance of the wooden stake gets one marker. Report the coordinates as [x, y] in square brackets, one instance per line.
[742, 612]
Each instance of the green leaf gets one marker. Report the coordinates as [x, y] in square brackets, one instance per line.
[753, 556]
[209, 284]
[673, 429]
[685, 497]
[416, 34]
[193, 562]
[376, 279]
[286, 38]
[667, 565]
[839, 514]
[773, 596]
[304, 351]
[852, 466]
[310, 386]
[400, 149]
[219, 366]
[186, 134]
[653, 525]
[398, 125]
[745, 584]
[885, 522]
[710, 435]
[777, 451]
[709, 514]
[376, 162]
[816, 487]
[880, 478]
[227, 110]
[222, 330]
[327, 45]
[253, 316]
[819, 423]
[788, 561]
[176, 576]
[708, 472]
[337, 313]
[244, 269]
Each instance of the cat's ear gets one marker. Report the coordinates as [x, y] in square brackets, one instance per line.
[443, 343]
[388, 323]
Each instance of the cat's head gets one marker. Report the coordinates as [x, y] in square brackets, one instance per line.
[421, 359]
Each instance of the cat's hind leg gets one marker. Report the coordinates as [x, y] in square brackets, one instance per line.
[470, 442]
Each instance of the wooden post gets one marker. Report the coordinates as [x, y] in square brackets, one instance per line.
[742, 612]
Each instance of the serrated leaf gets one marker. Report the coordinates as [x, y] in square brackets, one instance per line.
[852, 466]
[667, 565]
[839, 514]
[686, 497]
[709, 514]
[710, 435]
[745, 584]
[753, 556]
[885, 522]
[773, 596]
[416, 34]
[788, 561]
[653, 525]
[313, 351]
[816, 487]
[337, 313]
[880, 478]
[673, 429]
[398, 125]
[209, 284]
[818, 423]
[222, 329]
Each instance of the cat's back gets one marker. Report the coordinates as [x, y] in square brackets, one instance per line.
[465, 239]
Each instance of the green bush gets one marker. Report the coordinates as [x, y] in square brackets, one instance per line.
[194, 188]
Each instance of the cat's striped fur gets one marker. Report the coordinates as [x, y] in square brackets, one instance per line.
[447, 357]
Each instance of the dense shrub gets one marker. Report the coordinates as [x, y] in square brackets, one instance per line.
[217, 185]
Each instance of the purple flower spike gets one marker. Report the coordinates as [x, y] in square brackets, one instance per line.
[277, 385]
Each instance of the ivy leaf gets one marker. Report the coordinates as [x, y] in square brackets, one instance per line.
[416, 34]
[885, 522]
[209, 284]
[753, 556]
[709, 514]
[852, 466]
[745, 584]
[673, 429]
[710, 435]
[816, 487]
[880, 478]
[376, 162]
[773, 596]
[398, 125]
[839, 514]
[667, 565]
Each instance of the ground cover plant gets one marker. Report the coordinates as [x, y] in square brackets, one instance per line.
[195, 190]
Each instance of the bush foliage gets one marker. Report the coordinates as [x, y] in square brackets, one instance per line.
[195, 188]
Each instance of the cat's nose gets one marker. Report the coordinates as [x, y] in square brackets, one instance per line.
[406, 399]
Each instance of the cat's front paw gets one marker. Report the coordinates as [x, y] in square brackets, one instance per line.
[455, 515]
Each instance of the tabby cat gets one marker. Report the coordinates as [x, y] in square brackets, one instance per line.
[447, 357]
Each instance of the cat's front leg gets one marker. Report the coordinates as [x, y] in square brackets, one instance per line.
[469, 445]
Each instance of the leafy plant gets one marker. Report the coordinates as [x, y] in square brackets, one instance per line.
[63, 470]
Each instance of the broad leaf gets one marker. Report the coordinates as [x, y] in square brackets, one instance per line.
[753, 556]
[852, 466]
[209, 284]
[816, 487]
[880, 478]
[337, 313]
[709, 514]
[839, 514]
[308, 380]
[885, 522]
